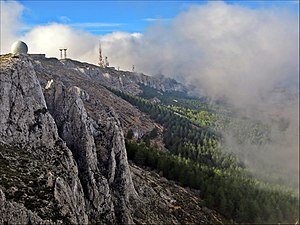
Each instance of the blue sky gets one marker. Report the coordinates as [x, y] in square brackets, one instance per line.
[101, 17]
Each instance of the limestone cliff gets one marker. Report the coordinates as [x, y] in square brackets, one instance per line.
[88, 179]
[99, 150]
[29, 137]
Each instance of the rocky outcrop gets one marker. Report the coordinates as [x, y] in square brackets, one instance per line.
[98, 99]
[76, 129]
[27, 125]
[99, 150]
[24, 118]
[98, 186]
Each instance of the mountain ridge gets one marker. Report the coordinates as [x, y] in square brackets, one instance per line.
[63, 152]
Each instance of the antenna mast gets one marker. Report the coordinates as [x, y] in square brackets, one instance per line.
[65, 51]
[61, 56]
[106, 62]
[101, 63]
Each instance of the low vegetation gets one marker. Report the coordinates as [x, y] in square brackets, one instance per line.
[23, 179]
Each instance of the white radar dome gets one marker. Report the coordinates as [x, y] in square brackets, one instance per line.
[19, 47]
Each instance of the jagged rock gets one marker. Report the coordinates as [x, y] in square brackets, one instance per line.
[106, 189]
[75, 128]
[72, 73]
[118, 172]
[27, 124]
[104, 197]
[24, 118]
[69, 200]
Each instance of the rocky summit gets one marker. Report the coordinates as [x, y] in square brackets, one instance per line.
[63, 158]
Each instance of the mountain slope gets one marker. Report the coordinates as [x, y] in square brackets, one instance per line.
[63, 156]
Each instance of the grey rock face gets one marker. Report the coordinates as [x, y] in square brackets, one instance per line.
[26, 124]
[24, 118]
[99, 152]
[98, 98]
[76, 129]
[117, 168]
[90, 183]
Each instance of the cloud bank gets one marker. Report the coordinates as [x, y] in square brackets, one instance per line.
[226, 51]
[222, 48]
[11, 24]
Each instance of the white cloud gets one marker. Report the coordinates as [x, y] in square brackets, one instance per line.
[224, 49]
[49, 38]
[10, 14]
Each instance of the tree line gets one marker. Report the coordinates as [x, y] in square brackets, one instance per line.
[196, 159]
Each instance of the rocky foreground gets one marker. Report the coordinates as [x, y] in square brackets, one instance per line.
[62, 151]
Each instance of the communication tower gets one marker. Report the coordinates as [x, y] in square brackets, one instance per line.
[106, 62]
[101, 62]
[65, 51]
[61, 55]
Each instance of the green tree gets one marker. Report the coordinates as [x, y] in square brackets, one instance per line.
[154, 133]
[130, 134]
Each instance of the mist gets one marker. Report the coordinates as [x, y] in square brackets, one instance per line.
[247, 57]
